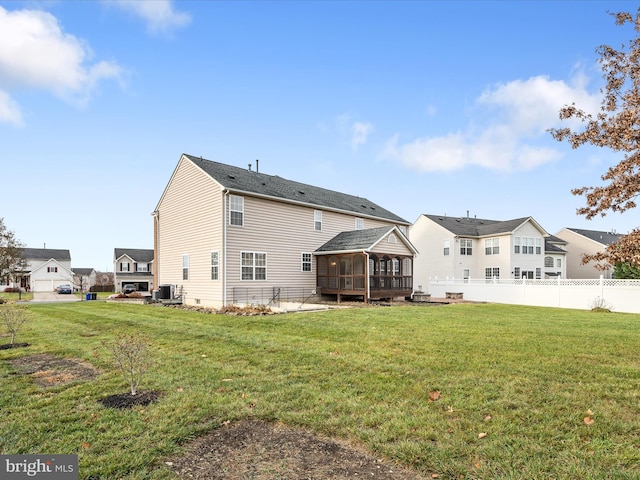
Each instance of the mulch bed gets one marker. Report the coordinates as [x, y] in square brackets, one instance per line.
[258, 450]
[7, 346]
[126, 400]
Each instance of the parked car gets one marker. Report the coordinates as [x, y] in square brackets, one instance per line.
[129, 288]
[64, 289]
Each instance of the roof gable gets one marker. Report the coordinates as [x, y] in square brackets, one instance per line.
[480, 227]
[138, 255]
[50, 262]
[241, 180]
[604, 238]
[362, 240]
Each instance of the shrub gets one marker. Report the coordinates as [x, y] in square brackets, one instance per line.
[14, 317]
[132, 355]
[600, 305]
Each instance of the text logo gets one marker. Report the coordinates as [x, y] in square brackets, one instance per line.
[46, 467]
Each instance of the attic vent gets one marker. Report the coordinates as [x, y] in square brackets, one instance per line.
[231, 176]
[363, 206]
[300, 192]
[263, 183]
[373, 208]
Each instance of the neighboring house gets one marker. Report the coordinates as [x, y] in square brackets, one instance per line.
[585, 242]
[472, 248]
[133, 266]
[226, 235]
[555, 257]
[46, 269]
[84, 278]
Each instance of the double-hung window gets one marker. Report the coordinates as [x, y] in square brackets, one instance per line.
[465, 246]
[317, 220]
[445, 247]
[185, 267]
[236, 210]
[538, 246]
[359, 223]
[306, 262]
[492, 272]
[516, 244]
[492, 246]
[254, 265]
[215, 265]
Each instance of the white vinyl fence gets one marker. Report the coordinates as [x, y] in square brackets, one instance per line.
[616, 295]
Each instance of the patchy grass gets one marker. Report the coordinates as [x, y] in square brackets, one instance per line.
[461, 391]
[16, 297]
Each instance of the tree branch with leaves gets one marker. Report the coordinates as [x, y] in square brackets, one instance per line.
[11, 250]
[617, 127]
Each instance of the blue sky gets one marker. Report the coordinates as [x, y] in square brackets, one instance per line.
[437, 107]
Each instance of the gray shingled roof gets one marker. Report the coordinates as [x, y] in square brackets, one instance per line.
[550, 247]
[605, 238]
[46, 254]
[84, 272]
[249, 181]
[355, 240]
[476, 227]
[137, 254]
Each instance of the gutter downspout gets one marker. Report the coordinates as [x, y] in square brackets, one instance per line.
[224, 247]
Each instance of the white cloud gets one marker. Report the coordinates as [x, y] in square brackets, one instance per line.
[360, 131]
[9, 110]
[513, 118]
[35, 53]
[159, 15]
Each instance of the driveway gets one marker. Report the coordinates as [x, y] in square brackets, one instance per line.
[42, 297]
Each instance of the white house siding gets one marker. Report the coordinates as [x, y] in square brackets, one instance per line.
[283, 231]
[190, 223]
[579, 245]
[526, 262]
[428, 238]
[43, 281]
[385, 247]
[500, 260]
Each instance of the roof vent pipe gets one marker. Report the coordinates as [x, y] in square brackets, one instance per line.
[249, 167]
[257, 163]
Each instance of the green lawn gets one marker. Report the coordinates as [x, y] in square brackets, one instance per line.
[516, 386]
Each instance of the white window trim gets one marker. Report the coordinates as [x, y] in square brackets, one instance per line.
[240, 200]
[185, 260]
[253, 279]
[216, 265]
[317, 220]
[303, 262]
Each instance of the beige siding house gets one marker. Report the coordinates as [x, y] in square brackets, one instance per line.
[468, 248]
[582, 242]
[229, 235]
[133, 266]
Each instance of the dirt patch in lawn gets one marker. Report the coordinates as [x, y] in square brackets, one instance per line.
[50, 371]
[126, 400]
[258, 450]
